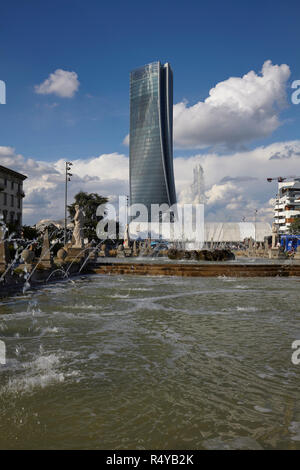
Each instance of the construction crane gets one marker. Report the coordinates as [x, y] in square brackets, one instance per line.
[280, 179]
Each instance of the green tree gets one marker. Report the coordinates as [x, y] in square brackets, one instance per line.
[29, 233]
[88, 203]
[13, 227]
[295, 227]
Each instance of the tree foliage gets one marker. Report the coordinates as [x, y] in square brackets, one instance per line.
[88, 203]
[295, 227]
[29, 233]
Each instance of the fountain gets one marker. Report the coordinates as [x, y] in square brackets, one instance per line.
[16, 274]
[45, 260]
[4, 256]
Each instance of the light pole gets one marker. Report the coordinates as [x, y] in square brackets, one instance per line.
[255, 212]
[67, 178]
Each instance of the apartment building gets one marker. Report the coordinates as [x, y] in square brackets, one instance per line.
[11, 195]
[287, 205]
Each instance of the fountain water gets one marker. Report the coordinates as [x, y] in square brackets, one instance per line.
[38, 263]
[62, 270]
[88, 257]
[77, 257]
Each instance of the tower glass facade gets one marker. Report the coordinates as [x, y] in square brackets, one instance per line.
[151, 136]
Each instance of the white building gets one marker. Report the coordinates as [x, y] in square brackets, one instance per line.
[287, 206]
[236, 232]
[11, 195]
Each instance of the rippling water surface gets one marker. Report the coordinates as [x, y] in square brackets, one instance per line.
[112, 362]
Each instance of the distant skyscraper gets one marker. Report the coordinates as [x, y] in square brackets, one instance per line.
[151, 136]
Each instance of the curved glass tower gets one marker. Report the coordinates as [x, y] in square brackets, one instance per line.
[151, 136]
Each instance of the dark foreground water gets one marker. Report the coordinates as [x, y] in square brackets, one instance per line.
[112, 362]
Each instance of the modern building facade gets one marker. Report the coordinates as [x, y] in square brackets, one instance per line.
[287, 205]
[11, 195]
[151, 136]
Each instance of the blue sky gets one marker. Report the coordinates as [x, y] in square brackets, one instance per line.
[205, 42]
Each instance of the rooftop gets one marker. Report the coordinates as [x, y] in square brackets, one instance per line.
[12, 173]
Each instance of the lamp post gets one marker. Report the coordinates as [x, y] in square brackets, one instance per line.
[255, 212]
[67, 179]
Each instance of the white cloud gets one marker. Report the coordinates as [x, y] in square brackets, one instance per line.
[235, 184]
[237, 110]
[61, 83]
[106, 174]
[126, 140]
[219, 193]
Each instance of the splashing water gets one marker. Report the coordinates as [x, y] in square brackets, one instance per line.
[193, 363]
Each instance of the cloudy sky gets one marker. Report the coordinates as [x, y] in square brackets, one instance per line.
[66, 66]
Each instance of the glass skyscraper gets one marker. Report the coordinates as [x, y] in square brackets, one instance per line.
[151, 136]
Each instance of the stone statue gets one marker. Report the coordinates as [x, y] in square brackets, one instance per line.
[45, 257]
[120, 251]
[28, 255]
[134, 251]
[2, 227]
[2, 233]
[126, 237]
[78, 228]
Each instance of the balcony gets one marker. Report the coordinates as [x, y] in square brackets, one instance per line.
[292, 213]
[279, 221]
[20, 194]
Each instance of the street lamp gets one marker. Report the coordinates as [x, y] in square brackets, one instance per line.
[255, 212]
[67, 179]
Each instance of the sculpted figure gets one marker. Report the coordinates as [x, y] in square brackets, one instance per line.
[2, 227]
[78, 228]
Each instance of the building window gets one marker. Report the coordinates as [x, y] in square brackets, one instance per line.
[4, 199]
[12, 200]
[12, 185]
[5, 182]
[12, 216]
[19, 202]
[5, 216]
